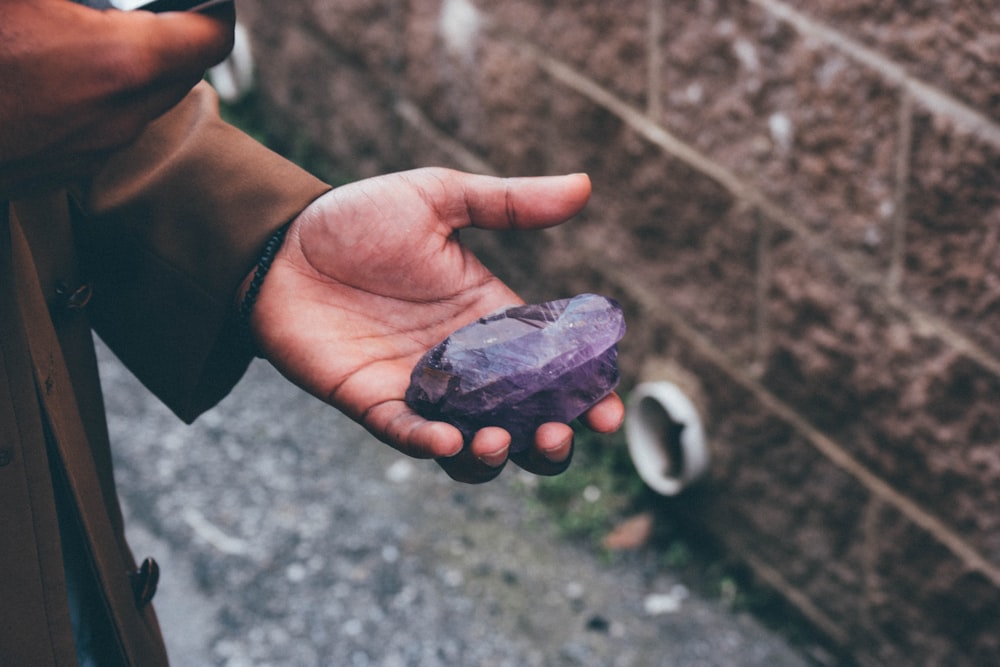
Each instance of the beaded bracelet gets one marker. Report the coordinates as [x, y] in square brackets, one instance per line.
[253, 290]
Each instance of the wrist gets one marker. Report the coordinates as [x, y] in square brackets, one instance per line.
[250, 288]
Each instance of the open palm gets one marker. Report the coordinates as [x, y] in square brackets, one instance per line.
[372, 275]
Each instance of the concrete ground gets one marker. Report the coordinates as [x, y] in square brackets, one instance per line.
[287, 536]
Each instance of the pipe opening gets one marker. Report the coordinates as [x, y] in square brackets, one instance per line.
[666, 432]
[665, 437]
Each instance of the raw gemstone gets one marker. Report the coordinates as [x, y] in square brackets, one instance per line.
[521, 367]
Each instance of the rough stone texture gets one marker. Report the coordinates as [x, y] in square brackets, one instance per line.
[804, 515]
[953, 254]
[498, 121]
[804, 214]
[315, 84]
[952, 44]
[362, 32]
[904, 404]
[964, 628]
[607, 40]
[799, 121]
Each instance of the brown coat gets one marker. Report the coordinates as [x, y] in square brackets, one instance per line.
[161, 239]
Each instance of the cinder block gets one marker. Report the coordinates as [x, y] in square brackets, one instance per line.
[609, 41]
[356, 122]
[926, 606]
[775, 498]
[365, 32]
[905, 405]
[792, 117]
[953, 228]
[954, 46]
[482, 92]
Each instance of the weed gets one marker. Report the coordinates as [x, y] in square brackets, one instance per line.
[597, 490]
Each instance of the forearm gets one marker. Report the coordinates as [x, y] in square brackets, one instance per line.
[172, 226]
[79, 84]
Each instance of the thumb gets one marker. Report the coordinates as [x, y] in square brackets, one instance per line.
[526, 202]
[179, 44]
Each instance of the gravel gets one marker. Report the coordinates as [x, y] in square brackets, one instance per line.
[288, 536]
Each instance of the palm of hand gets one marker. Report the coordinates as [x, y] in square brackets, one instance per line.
[370, 279]
[372, 275]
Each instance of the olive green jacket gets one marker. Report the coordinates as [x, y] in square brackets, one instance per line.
[150, 255]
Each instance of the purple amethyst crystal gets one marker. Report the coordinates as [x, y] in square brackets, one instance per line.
[521, 367]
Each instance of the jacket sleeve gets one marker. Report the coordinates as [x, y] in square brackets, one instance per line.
[168, 230]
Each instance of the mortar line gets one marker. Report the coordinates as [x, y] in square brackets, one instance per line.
[741, 190]
[920, 319]
[870, 581]
[654, 88]
[656, 134]
[833, 451]
[640, 122]
[929, 324]
[802, 601]
[904, 148]
[826, 445]
[933, 99]
[765, 231]
[413, 116]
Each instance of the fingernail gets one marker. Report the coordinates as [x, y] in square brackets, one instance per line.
[494, 459]
[560, 452]
[619, 423]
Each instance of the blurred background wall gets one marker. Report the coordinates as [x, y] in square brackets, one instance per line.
[798, 203]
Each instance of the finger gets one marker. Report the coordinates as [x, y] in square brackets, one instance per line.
[177, 45]
[606, 416]
[490, 446]
[398, 426]
[524, 203]
[482, 460]
[552, 451]
[150, 62]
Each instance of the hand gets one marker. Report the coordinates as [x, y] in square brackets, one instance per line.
[372, 275]
[77, 83]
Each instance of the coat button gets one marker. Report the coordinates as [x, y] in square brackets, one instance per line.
[144, 581]
[74, 298]
[69, 301]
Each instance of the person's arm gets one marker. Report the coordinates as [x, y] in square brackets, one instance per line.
[170, 227]
[372, 275]
[77, 84]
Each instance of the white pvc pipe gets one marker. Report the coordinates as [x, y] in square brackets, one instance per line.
[233, 78]
[665, 437]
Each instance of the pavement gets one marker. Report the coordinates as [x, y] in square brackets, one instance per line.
[288, 537]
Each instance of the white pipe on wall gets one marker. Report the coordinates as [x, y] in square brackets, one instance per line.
[666, 438]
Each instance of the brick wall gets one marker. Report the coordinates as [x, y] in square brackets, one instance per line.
[796, 200]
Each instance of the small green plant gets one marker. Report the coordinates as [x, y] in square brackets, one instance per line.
[677, 555]
[597, 490]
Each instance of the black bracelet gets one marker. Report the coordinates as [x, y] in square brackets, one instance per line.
[253, 290]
